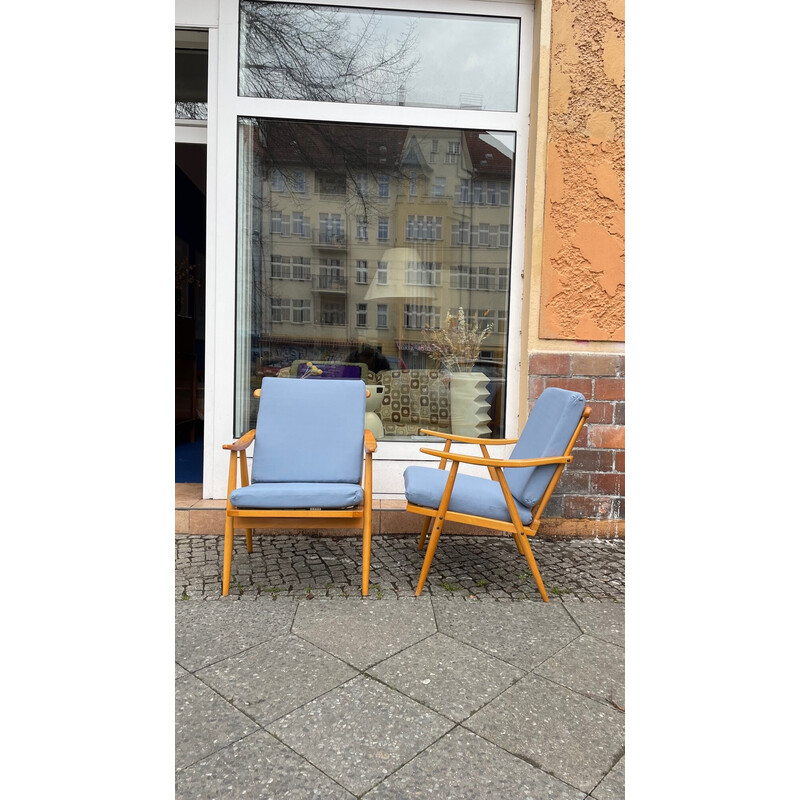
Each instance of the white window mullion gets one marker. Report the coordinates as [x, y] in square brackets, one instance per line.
[405, 116]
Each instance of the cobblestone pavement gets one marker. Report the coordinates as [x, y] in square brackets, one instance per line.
[468, 567]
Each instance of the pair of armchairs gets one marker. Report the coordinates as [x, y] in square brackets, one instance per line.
[312, 468]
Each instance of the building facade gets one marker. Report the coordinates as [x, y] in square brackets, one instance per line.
[414, 195]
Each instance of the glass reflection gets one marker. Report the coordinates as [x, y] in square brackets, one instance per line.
[359, 246]
[191, 74]
[348, 55]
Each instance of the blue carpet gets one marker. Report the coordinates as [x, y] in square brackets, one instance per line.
[189, 462]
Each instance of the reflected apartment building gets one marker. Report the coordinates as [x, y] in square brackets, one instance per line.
[363, 240]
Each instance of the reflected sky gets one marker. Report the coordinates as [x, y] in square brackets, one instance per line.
[459, 56]
[446, 61]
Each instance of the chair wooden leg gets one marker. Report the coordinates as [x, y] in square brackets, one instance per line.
[227, 557]
[425, 525]
[426, 564]
[528, 553]
[249, 538]
[441, 513]
[366, 550]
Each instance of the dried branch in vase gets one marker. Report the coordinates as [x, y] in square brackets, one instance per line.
[457, 344]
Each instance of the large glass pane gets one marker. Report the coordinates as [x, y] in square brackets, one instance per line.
[350, 55]
[382, 254]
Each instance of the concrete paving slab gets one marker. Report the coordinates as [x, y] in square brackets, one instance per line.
[589, 666]
[602, 619]
[462, 765]
[207, 632]
[566, 734]
[446, 675]
[204, 721]
[495, 611]
[521, 633]
[364, 633]
[272, 679]
[612, 787]
[256, 767]
[360, 732]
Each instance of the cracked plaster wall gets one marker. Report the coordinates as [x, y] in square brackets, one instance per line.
[583, 277]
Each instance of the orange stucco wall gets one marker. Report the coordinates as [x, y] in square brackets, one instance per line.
[583, 277]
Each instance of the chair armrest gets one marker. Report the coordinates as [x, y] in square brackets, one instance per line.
[242, 443]
[454, 437]
[370, 445]
[497, 462]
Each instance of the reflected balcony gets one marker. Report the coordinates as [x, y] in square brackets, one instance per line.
[329, 239]
[332, 283]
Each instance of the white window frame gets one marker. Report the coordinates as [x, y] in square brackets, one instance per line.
[382, 315]
[384, 186]
[301, 311]
[225, 107]
[419, 316]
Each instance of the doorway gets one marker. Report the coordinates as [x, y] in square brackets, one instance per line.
[190, 245]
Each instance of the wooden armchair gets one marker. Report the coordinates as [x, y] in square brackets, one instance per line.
[517, 489]
[312, 465]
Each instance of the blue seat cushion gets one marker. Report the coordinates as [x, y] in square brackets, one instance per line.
[297, 495]
[471, 494]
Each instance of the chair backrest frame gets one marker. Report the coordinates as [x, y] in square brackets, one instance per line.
[540, 506]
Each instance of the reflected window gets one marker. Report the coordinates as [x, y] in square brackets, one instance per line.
[340, 275]
[298, 51]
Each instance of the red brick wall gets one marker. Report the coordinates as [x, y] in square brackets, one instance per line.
[590, 497]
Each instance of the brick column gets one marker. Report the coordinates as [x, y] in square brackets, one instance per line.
[589, 499]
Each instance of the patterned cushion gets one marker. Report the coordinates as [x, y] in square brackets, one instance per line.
[412, 400]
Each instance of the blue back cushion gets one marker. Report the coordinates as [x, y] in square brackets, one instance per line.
[547, 432]
[309, 431]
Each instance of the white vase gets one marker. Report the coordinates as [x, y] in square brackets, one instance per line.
[469, 404]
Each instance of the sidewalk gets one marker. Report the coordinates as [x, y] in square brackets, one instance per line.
[296, 687]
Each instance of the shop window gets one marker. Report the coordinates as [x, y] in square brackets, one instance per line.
[309, 294]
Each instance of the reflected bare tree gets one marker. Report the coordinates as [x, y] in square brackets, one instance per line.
[189, 109]
[322, 54]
